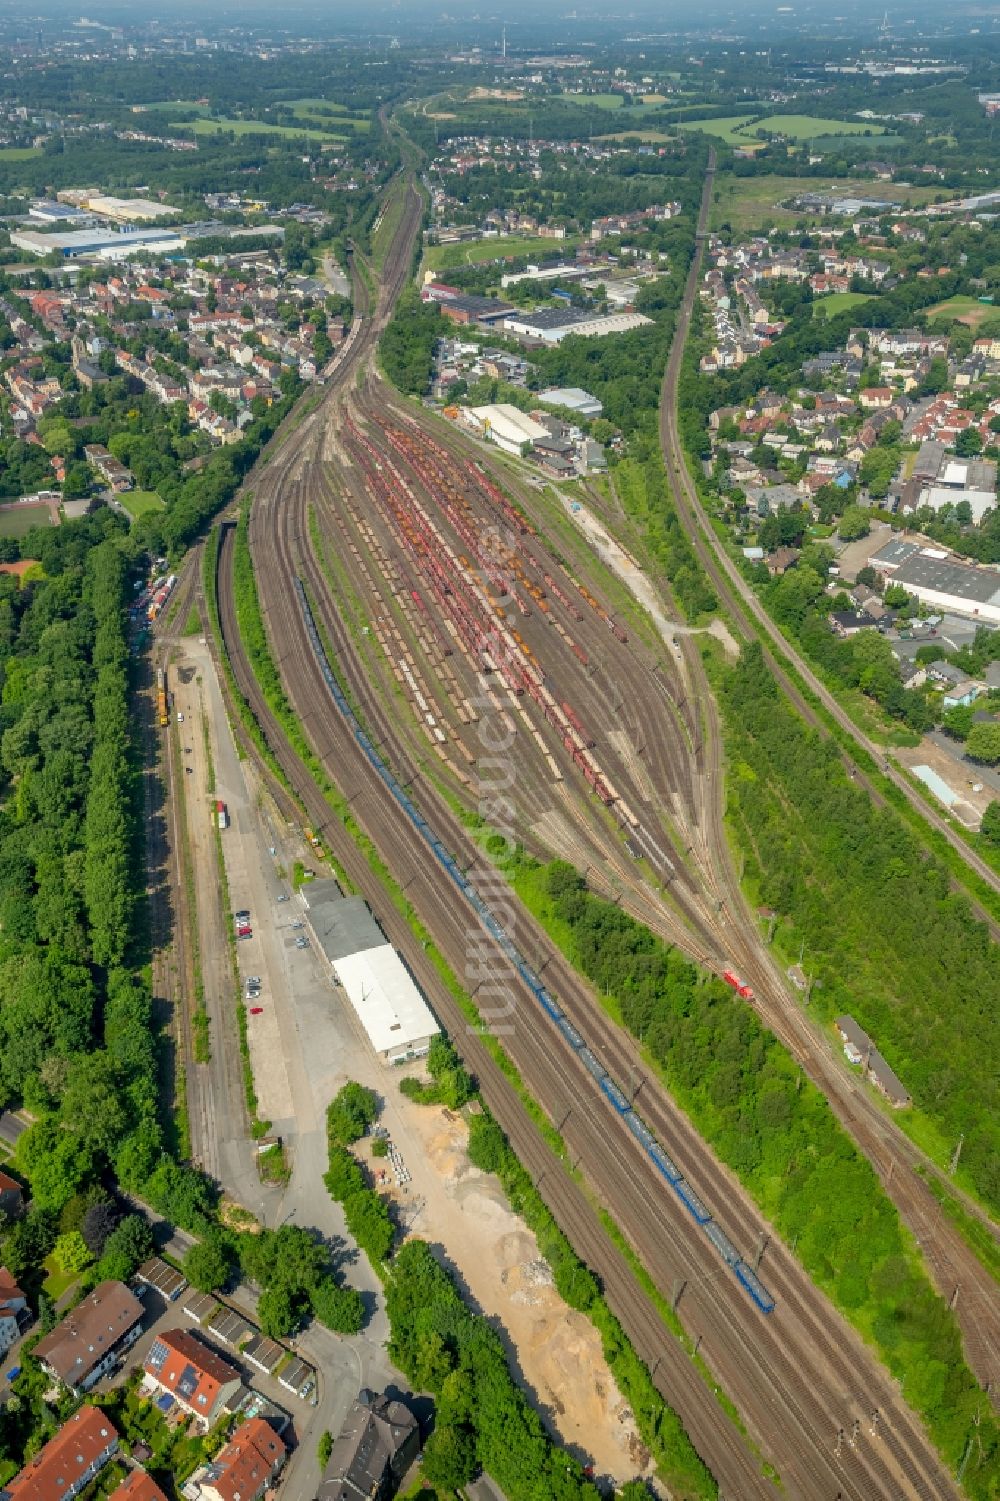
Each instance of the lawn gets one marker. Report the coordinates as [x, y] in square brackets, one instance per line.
[256, 128]
[57, 1281]
[838, 302]
[17, 520]
[445, 257]
[19, 153]
[322, 109]
[140, 502]
[963, 309]
[809, 127]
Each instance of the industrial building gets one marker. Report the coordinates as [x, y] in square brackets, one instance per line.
[574, 399]
[937, 579]
[106, 244]
[385, 998]
[551, 325]
[506, 426]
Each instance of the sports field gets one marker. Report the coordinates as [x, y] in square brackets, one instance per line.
[838, 302]
[19, 153]
[18, 519]
[963, 310]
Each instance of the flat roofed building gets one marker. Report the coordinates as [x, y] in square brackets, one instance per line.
[574, 399]
[68, 1462]
[106, 243]
[341, 925]
[90, 1339]
[892, 556]
[386, 1001]
[978, 501]
[951, 586]
[554, 324]
[128, 210]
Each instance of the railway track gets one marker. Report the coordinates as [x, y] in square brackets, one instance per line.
[779, 1368]
[954, 1267]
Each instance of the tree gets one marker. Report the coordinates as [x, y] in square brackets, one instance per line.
[127, 1247]
[71, 1253]
[277, 1312]
[957, 721]
[968, 443]
[98, 1223]
[341, 1309]
[983, 743]
[208, 1264]
[853, 524]
[449, 1461]
[990, 826]
[350, 1113]
[324, 1449]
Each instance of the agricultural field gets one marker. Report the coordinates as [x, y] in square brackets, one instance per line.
[811, 127]
[963, 309]
[446, 257]
[838, 302]
[140, 502]
[723, 127]
[213, 126]
[742, 130]
[17, 520]
[648, 137]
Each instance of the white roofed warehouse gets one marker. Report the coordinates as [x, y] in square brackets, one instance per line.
[382, 992]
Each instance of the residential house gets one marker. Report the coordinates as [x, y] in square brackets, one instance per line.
[962, 694]
[115, 475]
[92, 1338]
[11, 1196]
[371, 1454]
[195, 1375]
[779, 561]
[68, 1462]
[138, 1487]
[859, 1048]
[14, 1311]
[850, 622]
[244, 1469]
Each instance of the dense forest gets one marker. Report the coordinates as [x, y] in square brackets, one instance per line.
[752, 1104]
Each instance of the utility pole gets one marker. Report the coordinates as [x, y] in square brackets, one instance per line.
[679, 1285]
[954, 1296]
[761, 1248]
[953, 1165]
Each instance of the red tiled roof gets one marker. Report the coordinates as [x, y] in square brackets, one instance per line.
[190, 1370]
[66, 1458]
[247, 1461]
[138, 1487]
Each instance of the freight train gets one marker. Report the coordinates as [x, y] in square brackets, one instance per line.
[161, 696]
[616, 1098]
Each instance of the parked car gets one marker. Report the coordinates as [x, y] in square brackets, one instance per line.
[284, 898]
[256, 1011]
